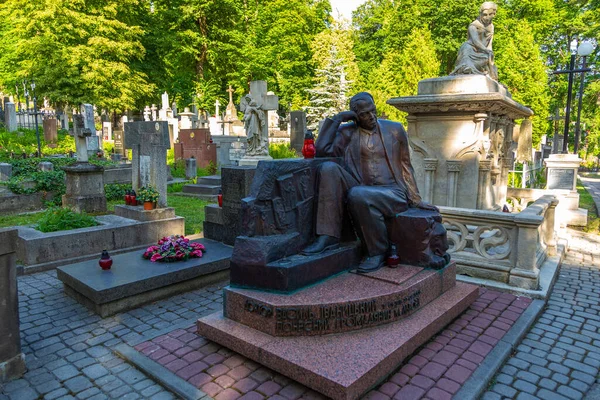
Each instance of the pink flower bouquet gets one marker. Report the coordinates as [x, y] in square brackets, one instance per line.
[174, 248]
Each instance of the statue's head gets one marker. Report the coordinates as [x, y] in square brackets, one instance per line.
[364, 106]
[487, 12]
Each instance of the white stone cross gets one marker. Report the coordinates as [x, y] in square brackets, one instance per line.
[217, 104]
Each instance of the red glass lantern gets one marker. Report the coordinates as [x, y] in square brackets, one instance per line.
[128, 197]
[105, 261]
[309, 150]
[393, 260]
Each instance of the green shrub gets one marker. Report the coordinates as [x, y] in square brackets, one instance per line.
[52, 181]
[281, 150]
[178, 169]
[116, 191]
[61, 219]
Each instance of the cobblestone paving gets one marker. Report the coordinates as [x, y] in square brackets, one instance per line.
[68, 348]
[560, 356]
[436, 372]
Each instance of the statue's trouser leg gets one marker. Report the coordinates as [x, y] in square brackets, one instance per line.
[369, 206]
[333, 185]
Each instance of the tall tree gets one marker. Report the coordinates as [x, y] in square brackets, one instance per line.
[401, 70]
[329, 96]
[76, 51]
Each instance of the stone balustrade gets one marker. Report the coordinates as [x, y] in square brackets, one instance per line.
[505, 247]
[568, 209]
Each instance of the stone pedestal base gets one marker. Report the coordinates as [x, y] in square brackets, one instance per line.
[253, 160]
[562, 175]
[85, 188]
[344, 365]
[459, 126]
[139, 214]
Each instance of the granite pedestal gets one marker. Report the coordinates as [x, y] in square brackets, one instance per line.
[85, 188]
[133, 281]
[345, 335]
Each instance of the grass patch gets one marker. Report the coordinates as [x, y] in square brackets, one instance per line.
[20, 219]
[191, 209]
[586, 201]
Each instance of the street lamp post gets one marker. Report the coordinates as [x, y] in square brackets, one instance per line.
[584, 50]
[569, 71]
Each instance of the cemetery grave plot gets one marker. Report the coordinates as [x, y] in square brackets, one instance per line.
[133, 281]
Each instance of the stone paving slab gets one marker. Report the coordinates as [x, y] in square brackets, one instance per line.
[436, 371]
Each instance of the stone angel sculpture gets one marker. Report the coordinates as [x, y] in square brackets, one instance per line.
[254, 124]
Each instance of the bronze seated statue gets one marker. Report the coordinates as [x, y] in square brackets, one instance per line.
[301, 219]
[375, 183]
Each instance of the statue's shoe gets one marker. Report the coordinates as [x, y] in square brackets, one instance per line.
[371, 264]
[323, 243]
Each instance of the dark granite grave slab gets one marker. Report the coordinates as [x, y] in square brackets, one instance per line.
[133, 281]
[294, 272]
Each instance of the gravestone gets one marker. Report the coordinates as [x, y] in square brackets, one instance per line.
[119, 143]
[149, 141]
[10, 115]
[46, 166]
[5, 172]
[562, 171]
[51, 132]
[107, 132]
[12, 360]
[297, 130]
[84, 181]
[191, 169]
[186, 118]
[196, 143]
[93, 141]
[257, 102]
[224, 223]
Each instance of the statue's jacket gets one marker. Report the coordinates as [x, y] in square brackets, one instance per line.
[343, 140]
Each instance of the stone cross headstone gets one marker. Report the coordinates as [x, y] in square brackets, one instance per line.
[93, 141]
[81, 134]
[149, 141]
[154, 109]
[10, 115]
[265, 102]
[147, 113]
[165, 112]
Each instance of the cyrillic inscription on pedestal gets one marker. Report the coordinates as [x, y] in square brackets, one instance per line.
[561, 178]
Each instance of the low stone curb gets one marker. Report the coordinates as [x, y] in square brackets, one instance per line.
[160, 374]
[481, 377]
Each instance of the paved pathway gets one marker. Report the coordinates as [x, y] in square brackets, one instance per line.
[560, 356]
[68, 348]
